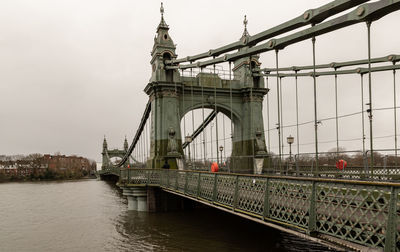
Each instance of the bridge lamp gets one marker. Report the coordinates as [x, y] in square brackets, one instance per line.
[290, 141]
[188, 140]
[221, 148]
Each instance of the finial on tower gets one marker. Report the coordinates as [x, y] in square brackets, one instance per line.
[162, 9]
[162, 23]
[245, 32]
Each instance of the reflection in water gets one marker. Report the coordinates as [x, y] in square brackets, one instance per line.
[92, 216]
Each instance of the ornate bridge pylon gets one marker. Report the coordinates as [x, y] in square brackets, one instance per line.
[172, 95]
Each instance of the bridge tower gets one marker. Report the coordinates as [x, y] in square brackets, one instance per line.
[105, 160]
[207, 90]
[166, 142]
[107, 153]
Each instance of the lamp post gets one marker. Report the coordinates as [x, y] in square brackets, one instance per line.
[188, 140]
[221, 148]
[290, 141]
[211, 127]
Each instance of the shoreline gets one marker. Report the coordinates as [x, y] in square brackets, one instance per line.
[45, 180]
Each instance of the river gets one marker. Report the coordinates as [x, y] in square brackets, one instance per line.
[91, 215]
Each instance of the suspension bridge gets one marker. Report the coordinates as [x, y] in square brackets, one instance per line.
[216, 107]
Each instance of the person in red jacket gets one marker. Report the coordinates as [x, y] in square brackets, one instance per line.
[214, 167]
[341, 164]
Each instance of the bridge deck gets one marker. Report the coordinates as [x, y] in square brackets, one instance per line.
[358, 212]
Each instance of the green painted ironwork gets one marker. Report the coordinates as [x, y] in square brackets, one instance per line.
[362, 212]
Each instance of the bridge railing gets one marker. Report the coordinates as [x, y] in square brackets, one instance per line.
[362, 212]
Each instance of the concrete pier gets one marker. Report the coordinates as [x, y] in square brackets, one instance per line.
[137, 198]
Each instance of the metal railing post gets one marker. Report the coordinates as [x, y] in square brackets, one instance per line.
[215, 188]
[198, 185]
[176, 180]
[167, 178]
[186, 183]
[266, 200]
[391, 225]
[129, 176]
[312, 221]
[236, 195]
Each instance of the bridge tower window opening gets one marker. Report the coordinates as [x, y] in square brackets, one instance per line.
[169, 73]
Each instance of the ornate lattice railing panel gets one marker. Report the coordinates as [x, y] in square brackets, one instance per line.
[225, 189]
[164, 178]
[356, 213]
[206, 186]
[192, 180]
[138, 176]
[154, 177]
[250, 194]
[181, 176]
[289, 201]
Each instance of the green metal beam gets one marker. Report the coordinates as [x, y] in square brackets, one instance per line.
[389, 58]
[365, 12]
[312, 16]
[340, 72]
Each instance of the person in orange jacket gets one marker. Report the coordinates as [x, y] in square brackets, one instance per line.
[214, 167]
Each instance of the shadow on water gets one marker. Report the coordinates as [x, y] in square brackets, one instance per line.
[203, 229]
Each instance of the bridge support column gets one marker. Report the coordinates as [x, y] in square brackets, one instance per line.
[132, 203]
[137, 198]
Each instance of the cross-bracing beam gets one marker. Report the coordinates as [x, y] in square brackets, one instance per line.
[204, 124]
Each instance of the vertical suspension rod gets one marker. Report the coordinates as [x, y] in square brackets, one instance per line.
[202, 112]
[370, 97]
[268, 129]
[231, 108]
[279, 114]
[315, 109]
[281, 109]
[216, 115]
[194, 144]
[362, 112]
[336, 115]
[183, 103]
[297, 114]
[395, 114]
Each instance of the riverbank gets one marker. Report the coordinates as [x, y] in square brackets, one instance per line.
[19, 180]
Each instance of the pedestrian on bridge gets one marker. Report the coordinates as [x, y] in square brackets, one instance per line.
[166, 165]
[214, 167]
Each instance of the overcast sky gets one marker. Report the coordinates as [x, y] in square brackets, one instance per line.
[72, 71]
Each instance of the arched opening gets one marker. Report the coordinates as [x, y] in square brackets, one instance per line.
[115, 160]
[169, 73]
[207, 142]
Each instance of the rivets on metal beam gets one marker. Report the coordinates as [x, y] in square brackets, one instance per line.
[391, 57]
[358, 70]
[333, 64]
[360, 11]
[244, 40]
[271, 43]
[307, 15]
[225, 57]
[210, 52]
[187, 58]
